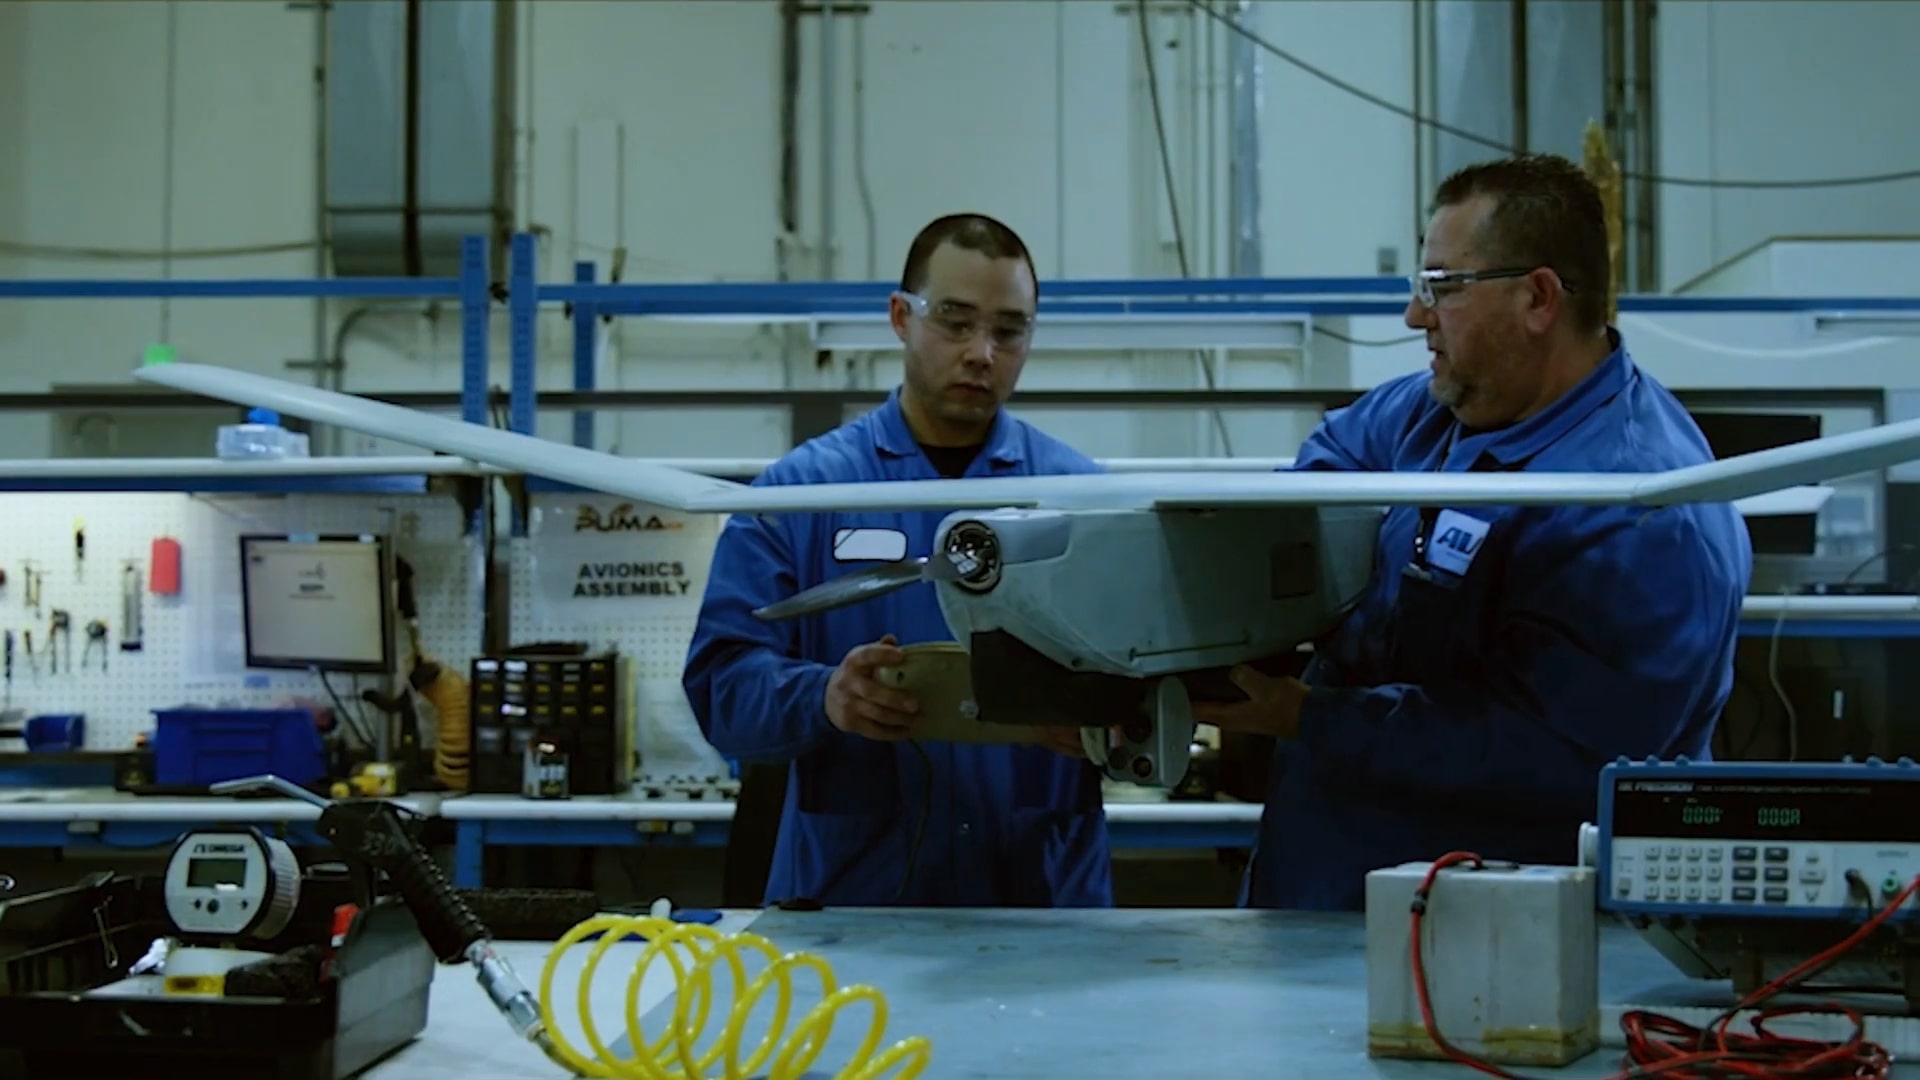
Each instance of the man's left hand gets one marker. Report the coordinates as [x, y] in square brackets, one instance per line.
[1272, 706]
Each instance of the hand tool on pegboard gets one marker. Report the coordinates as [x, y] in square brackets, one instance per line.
[96, 637]
[60, 641]
[30, 593]
[130, 588]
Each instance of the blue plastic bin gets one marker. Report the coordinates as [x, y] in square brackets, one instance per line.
[56, 733]
[206, 746]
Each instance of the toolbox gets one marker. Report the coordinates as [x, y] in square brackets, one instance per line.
[578, 705]
[69, 1010]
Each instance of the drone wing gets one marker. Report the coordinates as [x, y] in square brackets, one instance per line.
[656, 484]
[1764, 473]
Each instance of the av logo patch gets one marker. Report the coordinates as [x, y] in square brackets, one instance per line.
[1455, 541]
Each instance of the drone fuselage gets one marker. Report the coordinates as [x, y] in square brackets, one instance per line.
[1115, 619]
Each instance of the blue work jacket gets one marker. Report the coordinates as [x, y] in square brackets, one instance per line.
[997, 825]
[1470, 698]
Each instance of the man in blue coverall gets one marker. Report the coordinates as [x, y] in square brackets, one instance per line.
[1470, 698]
[873, 816]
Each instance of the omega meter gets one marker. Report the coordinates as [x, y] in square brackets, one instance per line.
[231, 883]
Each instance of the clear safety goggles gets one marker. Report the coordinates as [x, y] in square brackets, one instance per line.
[1432, 286]
[958, 323]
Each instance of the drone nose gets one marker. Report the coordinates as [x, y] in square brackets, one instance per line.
[973, 555]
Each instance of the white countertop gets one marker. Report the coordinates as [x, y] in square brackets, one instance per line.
[106, 804]
[103, 804]
[635, 808]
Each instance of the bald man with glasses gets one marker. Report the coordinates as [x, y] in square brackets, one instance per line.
[1501, 655]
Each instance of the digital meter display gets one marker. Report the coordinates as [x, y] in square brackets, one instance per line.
[208, 873]
[225, 884]
[1791, 810]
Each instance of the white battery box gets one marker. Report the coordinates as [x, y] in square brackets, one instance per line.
[1511, 956]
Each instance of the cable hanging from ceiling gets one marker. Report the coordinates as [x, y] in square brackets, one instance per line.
[1494, 144]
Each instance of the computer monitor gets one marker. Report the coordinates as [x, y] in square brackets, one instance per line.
[317, 602]
[1733, 433]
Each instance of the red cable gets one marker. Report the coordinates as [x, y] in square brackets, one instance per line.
[1664, 1047]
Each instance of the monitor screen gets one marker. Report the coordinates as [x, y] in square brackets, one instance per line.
[316, 602]
[1733, 433]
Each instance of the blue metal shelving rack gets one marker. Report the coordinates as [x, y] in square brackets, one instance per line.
[590, 301]
[471, 290]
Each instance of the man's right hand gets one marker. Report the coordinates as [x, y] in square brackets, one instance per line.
[859, 705]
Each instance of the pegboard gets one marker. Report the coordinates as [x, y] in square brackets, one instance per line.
[623, 575]
[193, 643]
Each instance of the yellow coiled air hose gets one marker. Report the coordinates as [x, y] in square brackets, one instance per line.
[451, 699]
[693, 951]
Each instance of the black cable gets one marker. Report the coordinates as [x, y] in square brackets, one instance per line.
[1875, 557]
[1494, 144]
[1173, 200]
[1160, 133]
[919, 830]
[1765, 706]
[351, 720]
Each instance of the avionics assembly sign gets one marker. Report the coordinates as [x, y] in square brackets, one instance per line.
[616, 560]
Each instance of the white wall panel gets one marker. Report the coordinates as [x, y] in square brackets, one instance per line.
[653, 128]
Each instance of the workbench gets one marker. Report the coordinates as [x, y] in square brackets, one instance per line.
[481, 821]
[1115, 994]
[105, 818]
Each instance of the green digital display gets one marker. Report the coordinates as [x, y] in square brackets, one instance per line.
[1869, 810]
[1766, 817]
[1698, 814]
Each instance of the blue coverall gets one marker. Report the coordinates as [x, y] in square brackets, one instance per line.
[1471, 696]
[1003, 826]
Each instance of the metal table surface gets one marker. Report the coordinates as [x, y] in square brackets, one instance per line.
[1127, 993]
[1121, 993]
[1111, 994]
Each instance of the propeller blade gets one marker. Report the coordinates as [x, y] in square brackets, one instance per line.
[850, 589]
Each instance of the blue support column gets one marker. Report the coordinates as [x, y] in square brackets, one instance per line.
[523, 309]
[474, 309]
[476, 355]
[585, 326]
